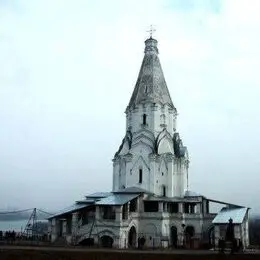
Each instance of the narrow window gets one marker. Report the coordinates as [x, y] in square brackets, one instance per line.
[144, 119]
[164, 191]
[140, 175]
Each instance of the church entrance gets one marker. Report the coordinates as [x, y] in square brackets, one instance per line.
[132, 237]
[211, 236]
[87, 242]
[189, 234]
[60, 228]
[107, 241]
[174, 236]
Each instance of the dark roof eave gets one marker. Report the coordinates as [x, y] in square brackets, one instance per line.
[68, 212]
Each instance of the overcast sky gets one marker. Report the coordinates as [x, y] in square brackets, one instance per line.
[68, 69]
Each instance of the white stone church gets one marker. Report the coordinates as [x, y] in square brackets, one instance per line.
[150, 204]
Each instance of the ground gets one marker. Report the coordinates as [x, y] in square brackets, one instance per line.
[53, 253]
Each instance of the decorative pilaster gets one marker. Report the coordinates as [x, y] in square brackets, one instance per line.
[170, 164]
[116, 173]
[152, 159]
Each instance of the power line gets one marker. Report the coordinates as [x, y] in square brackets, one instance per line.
[45, 212]
[14, 212]
[24, 210]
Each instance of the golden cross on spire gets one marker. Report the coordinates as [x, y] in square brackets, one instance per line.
[151, 31]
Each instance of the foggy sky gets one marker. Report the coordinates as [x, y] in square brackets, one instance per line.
[68, 69]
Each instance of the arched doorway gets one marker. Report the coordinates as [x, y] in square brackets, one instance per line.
[87, 242]
[107, 241]
[174, 236]
[132, 237]
[189, 234]
[211, 236]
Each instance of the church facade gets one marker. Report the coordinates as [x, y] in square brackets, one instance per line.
[151, 155]
[150, 204]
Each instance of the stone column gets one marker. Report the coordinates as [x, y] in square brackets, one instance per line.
[54, 230]
[160, 206]
[217, 234]
[165, 208]
[74, 226]
[119, 214]
[198, 208]
[181, 207]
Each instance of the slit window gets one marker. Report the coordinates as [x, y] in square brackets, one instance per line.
[140, 175]
[144, 119]
[164, 190]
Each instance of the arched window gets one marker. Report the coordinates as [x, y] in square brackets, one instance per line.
[140, 175]
[144, 119]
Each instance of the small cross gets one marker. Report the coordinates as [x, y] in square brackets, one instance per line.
[151, 31]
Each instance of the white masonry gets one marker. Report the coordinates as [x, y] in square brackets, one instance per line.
[151, 155]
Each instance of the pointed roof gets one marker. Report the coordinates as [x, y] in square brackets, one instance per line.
[236, 214]
[151, 85]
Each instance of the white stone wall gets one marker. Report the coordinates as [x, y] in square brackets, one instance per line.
[156, 172]
[136, 116]
[240, 232]
[152, 225]
[155, 115]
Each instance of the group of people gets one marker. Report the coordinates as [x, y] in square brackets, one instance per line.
[11, 236]
[8, 235]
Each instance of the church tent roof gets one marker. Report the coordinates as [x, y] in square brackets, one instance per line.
[151, 85]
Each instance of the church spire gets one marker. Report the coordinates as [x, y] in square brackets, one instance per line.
[151, 85]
